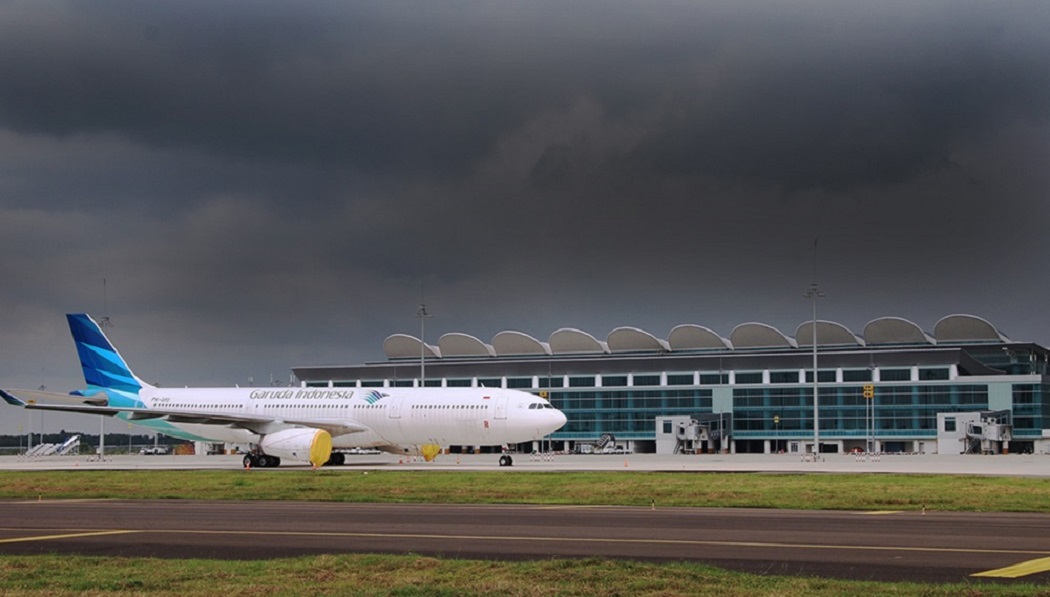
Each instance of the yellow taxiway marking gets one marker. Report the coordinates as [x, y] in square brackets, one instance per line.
[582, 507]
[1017, 570]
[65, 536]
[610, 507]
[64, 501]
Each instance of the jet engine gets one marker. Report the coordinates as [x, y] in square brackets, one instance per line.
[310, 445]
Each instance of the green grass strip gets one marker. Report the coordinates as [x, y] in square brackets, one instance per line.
[735, 490]
[410, 575]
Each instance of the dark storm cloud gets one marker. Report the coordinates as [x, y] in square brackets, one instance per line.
[273, 180]
[326, 84]
[783, 98]
[830, 103]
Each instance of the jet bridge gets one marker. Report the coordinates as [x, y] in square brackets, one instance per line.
[696, 434]
[987, 436]
[978, 432]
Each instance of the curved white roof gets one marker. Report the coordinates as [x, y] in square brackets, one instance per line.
[516, 343]
[463, 345]
[628, 339]
[759, 335]
[894, 330]
[966, 328]
[572, 340]
[753, 335]
[403, 346]
[695, 337]
[829, 333]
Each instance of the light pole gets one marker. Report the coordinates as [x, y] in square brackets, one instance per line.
[872, 401]
[814, 293]
[776, 442]
[873, 421]
[869, 419]
[867, 427]
[422, 315]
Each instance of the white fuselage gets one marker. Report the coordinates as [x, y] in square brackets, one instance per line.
[391, 416]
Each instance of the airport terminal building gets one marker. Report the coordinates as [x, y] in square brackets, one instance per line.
[892, 388]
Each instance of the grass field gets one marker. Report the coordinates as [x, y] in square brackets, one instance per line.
[411, 575]
[735, 490]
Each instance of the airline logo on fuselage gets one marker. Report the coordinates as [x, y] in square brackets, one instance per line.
[303, 394]
[374, 396]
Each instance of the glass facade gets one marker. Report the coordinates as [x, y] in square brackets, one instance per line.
[769, 395]
[1031, 413]
[627, 412]
[844, 413]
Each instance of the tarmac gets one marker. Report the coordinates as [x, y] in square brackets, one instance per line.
[934, 547]
[1019, 465]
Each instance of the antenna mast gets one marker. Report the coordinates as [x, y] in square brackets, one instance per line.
[105, 322]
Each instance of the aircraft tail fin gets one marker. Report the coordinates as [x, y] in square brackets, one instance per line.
[102, 364]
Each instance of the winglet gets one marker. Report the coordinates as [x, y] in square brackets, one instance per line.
[11, 399]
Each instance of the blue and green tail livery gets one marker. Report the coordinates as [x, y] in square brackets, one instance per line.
[104, 368]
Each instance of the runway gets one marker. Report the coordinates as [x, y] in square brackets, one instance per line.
[894, 546]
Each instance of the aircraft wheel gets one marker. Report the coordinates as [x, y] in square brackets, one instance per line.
[250, 461]
[263, 460]
[337, 459]
[506, 460]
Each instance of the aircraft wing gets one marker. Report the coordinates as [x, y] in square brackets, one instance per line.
[253, 423]
[25, 397]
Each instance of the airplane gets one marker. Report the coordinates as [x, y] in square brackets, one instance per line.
[302, 424]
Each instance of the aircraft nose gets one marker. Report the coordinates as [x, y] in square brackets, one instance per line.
[558, 419]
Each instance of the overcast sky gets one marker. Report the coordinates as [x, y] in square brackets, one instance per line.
[265, 184]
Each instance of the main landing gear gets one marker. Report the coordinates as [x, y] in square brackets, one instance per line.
[261, 461]
[506, 460]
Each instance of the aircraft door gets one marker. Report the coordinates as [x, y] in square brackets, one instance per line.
[501, 407]
[393, 409]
